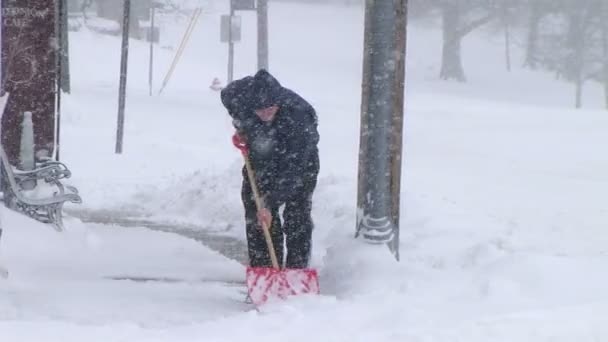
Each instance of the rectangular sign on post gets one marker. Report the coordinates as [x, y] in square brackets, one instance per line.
[243, 5]
[152, 34]
[225, 33]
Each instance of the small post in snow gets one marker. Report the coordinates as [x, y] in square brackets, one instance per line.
[123, 76]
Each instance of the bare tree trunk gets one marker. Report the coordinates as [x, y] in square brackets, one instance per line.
[451, 61]
[578, 101]
[576, 62]
[532, 39]
[506, 19]
[604, 25]
[508, 47]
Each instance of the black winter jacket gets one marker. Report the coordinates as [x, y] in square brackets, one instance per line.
[283, 152]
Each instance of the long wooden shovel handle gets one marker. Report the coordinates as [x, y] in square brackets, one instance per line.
[259, 205]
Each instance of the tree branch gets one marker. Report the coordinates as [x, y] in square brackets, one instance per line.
[475, 24]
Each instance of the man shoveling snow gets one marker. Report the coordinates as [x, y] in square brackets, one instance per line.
[277, 133]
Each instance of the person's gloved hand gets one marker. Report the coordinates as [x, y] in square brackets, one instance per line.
[239, 142]
[264, 217]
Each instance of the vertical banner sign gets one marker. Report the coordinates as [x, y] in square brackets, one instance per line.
[29, 72]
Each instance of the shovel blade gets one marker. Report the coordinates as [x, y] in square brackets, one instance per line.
[264, 283]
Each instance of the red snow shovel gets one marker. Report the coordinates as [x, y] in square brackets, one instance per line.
[264, 283]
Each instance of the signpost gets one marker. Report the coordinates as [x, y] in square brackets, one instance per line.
[231, 21]
[124, 57]
[228, 33]
[230, 29]
[243, 5]
[152, 36]
[262, 34]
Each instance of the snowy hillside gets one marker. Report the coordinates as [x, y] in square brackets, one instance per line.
[504, 193]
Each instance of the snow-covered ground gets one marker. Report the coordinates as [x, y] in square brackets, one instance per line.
[503, 199]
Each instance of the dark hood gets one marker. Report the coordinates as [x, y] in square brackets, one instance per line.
[266, 90]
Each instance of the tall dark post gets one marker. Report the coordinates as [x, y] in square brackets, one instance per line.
[382, 122]
[506, 16]
[123, 76]
[151, 37]
[63, 68]
[59, 29]
[262, 12]
[230, 45]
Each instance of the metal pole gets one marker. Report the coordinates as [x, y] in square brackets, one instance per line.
[63, 68]
[123, 76]
[381, 121]
[361, 180]
[230, 46]
[150, 72]
[397, 129]
[59, 56]
[262, 12]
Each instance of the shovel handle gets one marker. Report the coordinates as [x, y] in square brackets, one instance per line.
[259, 205]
